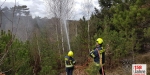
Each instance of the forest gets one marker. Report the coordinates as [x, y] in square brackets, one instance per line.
[37, 46]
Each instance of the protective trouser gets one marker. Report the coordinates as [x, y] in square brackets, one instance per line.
[99, 68]
[101, 71]
[69, 71]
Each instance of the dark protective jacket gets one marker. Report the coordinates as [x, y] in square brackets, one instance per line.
[95, 54]
[69, 62]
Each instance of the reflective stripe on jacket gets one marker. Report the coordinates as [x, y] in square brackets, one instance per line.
[69, 62]
[95, 54]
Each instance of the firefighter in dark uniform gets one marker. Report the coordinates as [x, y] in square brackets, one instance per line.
[69, 63]
[98, 54]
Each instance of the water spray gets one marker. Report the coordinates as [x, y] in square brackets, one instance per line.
[66, 30]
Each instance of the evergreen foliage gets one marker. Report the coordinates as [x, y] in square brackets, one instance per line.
[14, 55]
[124, 26]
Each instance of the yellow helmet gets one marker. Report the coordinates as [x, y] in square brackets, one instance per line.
[70, 53]
[99, 40]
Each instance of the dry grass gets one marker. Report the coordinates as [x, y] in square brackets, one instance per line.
[144, 59]
[123, 70]
[120, 70]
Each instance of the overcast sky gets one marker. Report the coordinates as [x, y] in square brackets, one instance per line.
[38, 8]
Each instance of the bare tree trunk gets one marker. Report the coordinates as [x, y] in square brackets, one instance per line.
[61, 24]
[59, 9]
[37, 42]
[27, 29]
[0, 17]
[62, 36]
[89, 1]
[1, 13]
[87, 8]
[36, 54]
[53, 6]
[58, 43]
[76, 30]
[88, 36]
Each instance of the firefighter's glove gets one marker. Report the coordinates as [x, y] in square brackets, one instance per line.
[101, 51]
[74, 62]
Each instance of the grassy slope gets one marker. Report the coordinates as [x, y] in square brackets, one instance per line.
[127, 69]
[120, 70]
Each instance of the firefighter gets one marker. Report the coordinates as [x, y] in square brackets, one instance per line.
[69, 63]
[98, 54]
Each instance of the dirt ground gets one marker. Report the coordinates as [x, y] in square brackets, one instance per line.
[79, 70]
